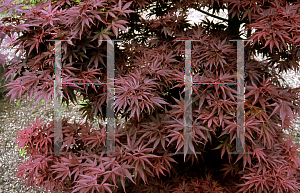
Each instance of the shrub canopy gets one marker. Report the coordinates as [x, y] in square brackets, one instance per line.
[149, 94]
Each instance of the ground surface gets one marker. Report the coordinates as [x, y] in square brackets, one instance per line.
[13, 118]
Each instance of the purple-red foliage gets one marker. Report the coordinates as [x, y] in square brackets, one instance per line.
[149, 86]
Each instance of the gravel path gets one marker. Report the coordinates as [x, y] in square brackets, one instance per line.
[13, 118]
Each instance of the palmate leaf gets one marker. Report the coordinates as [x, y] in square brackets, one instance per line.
[102, 34]
[48, 15]
[62, 170]
[35, 41]
[259, 154]
[89, 183]
[73, 162]
[177, 134]
[96, 138]
[123, 10]
[284, 109]
[138, 155]
[115, 25]
[155, 131]
[134, 94]
[249, 8]
[178, 110]
[162, 163]
[123, 170]
[16, 89]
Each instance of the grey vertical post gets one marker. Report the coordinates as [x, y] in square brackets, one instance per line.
[57, 98]
[240, 136]
[188, 147]
[110, 113]
[240, 113]
[188, 119]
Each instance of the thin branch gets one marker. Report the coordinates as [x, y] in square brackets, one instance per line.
[212, 15]
[209, 14]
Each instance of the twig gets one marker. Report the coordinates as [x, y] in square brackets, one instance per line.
[209, 14]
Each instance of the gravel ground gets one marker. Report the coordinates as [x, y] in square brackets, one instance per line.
[13, 118]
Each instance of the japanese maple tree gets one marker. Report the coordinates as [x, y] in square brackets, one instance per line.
[149, 94]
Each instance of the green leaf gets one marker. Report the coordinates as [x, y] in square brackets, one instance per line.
[197, 102]
[18, 103]
[21, 150]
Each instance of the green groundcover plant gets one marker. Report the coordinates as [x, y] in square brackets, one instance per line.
[149, 94]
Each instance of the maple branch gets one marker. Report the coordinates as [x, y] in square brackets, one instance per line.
[209, 14]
